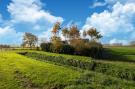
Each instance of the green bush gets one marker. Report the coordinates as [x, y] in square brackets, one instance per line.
[67, 49]
[46, 47]
[94, 49]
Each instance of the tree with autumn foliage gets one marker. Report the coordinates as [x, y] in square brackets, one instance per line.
[56, 28]
[74, 32]
[55, 39]
[65, 33]
[57, 44]
[93, 34]
[74, 44]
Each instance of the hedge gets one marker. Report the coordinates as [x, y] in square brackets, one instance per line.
[123, 72]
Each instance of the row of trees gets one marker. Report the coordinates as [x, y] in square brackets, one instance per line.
[74, 43]
[4, 46]
[73, 33]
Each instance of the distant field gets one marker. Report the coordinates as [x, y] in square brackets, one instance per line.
[42, 70]
[125, 53]
[123, 50]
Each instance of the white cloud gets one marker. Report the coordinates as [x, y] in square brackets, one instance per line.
[98, 4]
[8, 34]
[119, 22]
[26, 16]
[46, 34]
[114, 41]
[121, 1]
[30, 11]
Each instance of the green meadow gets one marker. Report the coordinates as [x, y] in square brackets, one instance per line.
[27, 69]
[67, 44]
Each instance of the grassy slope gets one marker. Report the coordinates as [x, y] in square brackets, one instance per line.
[17, 72]
[99, 78]
[124, 70]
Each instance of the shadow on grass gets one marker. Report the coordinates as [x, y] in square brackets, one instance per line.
[110, 55]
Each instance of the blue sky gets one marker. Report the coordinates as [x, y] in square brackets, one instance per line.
[115, 19]
[68, 9]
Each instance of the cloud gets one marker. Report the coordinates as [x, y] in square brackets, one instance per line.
[120, 1]
[114, 41]
[26, 16]
[98, 4]
[9, 34]
[119, 22]
[30, 11]
[45, 35]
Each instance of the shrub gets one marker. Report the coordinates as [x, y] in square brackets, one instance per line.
[57, 44]
[67, 49]
[94, 49]
[46, 47]
[78, 45]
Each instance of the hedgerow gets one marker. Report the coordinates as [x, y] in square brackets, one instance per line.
[123, 72]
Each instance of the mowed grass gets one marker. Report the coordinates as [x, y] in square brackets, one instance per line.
[127, 53]
[123, 50]
[19, 72]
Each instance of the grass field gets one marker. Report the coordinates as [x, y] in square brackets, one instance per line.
[18, 72]
[42, 70]
[124, 53]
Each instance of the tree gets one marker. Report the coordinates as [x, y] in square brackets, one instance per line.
[74, 32]
[55, 39]
[46, 47]
[57, 44]
[98, 36]
[78, 45]
[132, 43]
[4, 46]
[29, 40]
[84, 33]
[56, 28]
[94, 34]
[65, 33]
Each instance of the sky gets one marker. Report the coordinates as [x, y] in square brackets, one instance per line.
[114, 19]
